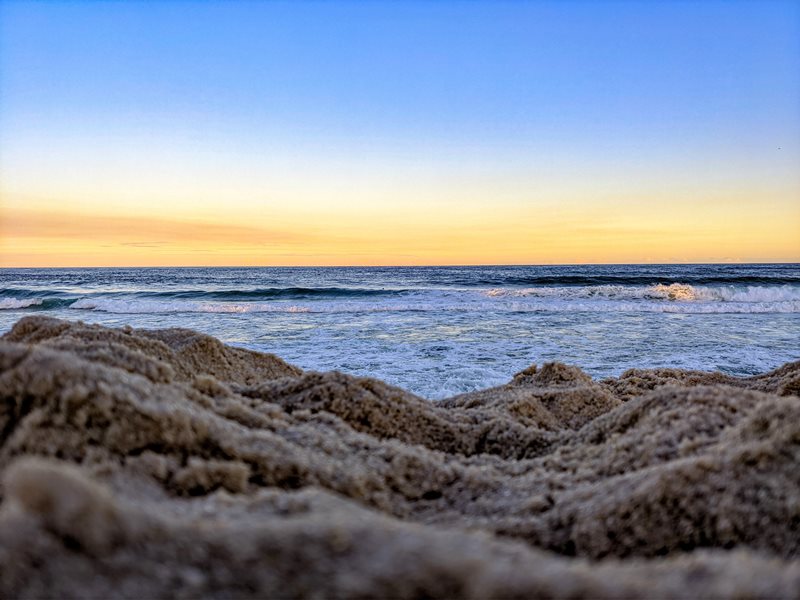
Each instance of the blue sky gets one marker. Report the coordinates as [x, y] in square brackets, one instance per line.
[519, 95]
[448, 70]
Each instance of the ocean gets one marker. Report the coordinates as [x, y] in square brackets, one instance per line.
[439, 331]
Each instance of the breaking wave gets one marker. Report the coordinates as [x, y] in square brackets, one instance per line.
[488, 305]
[631, 280]
[676, 297]
[43, 303]
[16, 303]
[673, 291]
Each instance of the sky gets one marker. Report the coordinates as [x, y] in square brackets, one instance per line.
[398, 133]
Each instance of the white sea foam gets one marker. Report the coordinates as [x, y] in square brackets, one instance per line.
[754, 294]
[472, 303]
[132, 306]
[17, 303]
[679, 292]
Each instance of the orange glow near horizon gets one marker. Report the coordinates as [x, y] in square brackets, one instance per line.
[47, 234]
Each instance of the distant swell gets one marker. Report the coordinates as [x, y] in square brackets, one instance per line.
[289, 293]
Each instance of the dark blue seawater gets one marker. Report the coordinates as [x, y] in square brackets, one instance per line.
[444, 330]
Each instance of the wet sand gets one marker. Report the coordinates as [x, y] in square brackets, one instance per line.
[142, 463]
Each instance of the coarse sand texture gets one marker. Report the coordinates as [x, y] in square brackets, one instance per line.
[139, 463]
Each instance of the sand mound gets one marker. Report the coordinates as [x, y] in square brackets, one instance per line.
[164, 463]
[163, 355]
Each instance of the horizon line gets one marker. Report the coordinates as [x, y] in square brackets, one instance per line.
[440, 266]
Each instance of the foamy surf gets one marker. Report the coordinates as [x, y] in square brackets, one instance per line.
[673, 298]
[439, 331]
[685, 300]
[18, 303]
[679, 292]
[134, 307]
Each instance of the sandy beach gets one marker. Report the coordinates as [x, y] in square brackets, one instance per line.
[144, 463]
[399, 300]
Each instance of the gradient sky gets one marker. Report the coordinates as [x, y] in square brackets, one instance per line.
[273, 133]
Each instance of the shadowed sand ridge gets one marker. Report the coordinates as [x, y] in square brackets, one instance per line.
[164, 463]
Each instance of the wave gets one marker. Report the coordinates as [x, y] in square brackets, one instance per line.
[675, 291]
[276, 293]
[182, 306]
[14, 292]
[685, 292]
[231, 294]
[34, 303]
[673, 297]
[16, 303]
[556, 305]
[640, 280]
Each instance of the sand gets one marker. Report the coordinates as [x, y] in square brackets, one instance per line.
[139, 463]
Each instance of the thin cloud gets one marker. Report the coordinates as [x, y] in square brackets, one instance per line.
[144, 244]
[140, 231]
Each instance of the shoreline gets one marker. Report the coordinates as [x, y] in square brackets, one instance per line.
[163, 463]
